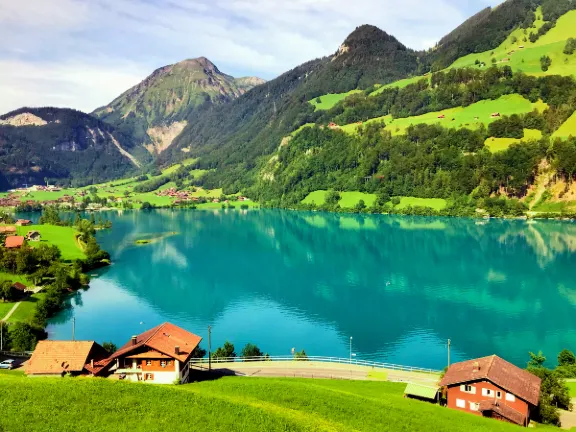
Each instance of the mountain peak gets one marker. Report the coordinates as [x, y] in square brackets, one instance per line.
[197, 63]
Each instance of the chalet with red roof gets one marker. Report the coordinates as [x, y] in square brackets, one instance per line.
[59, 358]
[159, 356]
[492, 387]
[14, 242]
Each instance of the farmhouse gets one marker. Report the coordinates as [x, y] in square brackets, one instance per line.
[33, 236]
[59, 358]
[333, 125]
[23, 222]
[14, 242]
[492, 387]
[7, 230]
[496, 114]
[159, 356]
[442, 116]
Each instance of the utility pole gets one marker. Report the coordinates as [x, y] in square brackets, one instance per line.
[1, 335]
[209, 348]
[448, 352]
[350, 349]
[73, 327]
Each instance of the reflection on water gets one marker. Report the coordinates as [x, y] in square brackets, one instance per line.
[400, 286]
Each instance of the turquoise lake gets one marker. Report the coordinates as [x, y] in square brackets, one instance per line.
[399, 286]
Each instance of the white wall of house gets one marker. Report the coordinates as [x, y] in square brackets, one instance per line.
[162, 377]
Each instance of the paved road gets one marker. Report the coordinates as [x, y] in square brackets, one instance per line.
[10, 312]
[305, 369]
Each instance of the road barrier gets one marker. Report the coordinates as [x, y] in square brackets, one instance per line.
[355, 362]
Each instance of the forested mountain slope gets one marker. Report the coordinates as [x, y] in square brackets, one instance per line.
[490, 133]
[154, 112]
[63, 145]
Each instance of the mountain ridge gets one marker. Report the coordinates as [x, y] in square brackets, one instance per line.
[163, 100]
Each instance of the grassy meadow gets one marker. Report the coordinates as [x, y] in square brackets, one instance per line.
[568, 129]
[26, 309]
[527, 59]
[227, 404]
[502, 144]
[350, 199]
[329, 100]
[470, 117]
[434, 203]
[63, 237]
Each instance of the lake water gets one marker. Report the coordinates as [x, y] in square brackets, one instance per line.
[399, 286]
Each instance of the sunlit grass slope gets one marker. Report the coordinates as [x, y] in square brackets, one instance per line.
[227, 404]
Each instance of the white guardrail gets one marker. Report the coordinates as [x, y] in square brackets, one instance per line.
[356, 362]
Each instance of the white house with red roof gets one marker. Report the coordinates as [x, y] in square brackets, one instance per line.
[160, 355]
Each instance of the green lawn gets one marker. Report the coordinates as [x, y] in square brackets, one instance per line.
[501, 144]
[434, 203]
[400, 84]
[5, 308]
[329, 100]
[463, 117]
[227, 404]
[317, 197]
[350, 199]
[25, 311]
[63, 237]
[568, 129]
[14, 278]
[527, 59]
[171, 169]
[572, 387]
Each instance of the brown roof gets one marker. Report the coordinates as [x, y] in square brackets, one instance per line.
[14, 241]
[19, 286]
[7, 229]
[503, 410]
[55, 357]
[149, 355]
[511, 378]
[164, 338]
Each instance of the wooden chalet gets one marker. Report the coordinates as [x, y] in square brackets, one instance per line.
[59, 358]
[23, 222]
[33, 236]
[492, 387]
[14, 242]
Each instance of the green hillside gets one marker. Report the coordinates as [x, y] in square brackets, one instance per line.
[328, 101]
[231, 404]
[521, 54]
[471, 117]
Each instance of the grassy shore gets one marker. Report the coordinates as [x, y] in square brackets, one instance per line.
[227, 404]
[63, 237]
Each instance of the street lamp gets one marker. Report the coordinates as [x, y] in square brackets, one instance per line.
[350, 349]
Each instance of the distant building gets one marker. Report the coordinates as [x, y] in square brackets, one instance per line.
[14, 242]
[442, 116]
[59, 358]
[159, 356]
[492, 387]
[23, 222]
[33, 236]
[496, 114]
[7, 230]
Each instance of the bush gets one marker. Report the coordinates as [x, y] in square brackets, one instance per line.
[395, 201]
[225, 351]
[24, 336]
[251, 350]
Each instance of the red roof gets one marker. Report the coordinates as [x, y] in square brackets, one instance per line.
[19, 286]
[56, 357]
[504, 410]
[14, 241]
[511, 378]
[164, 339]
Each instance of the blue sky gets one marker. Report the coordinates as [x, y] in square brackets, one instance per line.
[84, 53]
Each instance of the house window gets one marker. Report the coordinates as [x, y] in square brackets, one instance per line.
[487, 392]
[468, 389]
[148, 362]
[474, 406]
[169, 362]
[149, 377]
[499, 394]
[460, 403]
[510, 397]
[163, 363]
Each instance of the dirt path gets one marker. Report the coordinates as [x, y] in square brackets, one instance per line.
[568, 418]
[542, 181]
[10, 312]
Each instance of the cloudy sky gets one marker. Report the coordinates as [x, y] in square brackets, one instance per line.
[83, 53]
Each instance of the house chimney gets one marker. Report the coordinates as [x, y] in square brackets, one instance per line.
[177, 350]
[476, 367]
[134, 339]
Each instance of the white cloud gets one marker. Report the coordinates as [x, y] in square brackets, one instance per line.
[83, 53]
